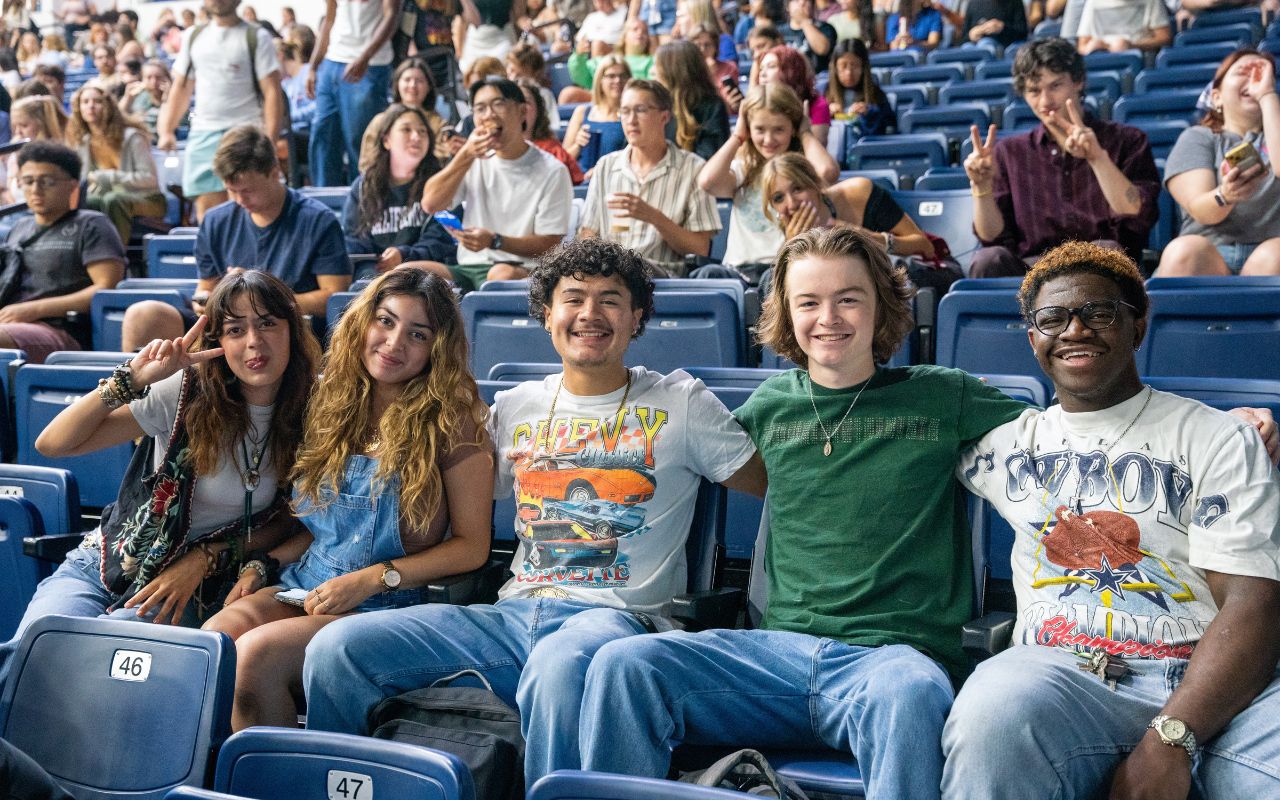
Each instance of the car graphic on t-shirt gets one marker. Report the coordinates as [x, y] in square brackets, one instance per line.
[561, 543]
[601, 517]
[561, 479]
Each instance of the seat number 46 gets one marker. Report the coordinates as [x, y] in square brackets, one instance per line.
[349, 786]
[130, 665]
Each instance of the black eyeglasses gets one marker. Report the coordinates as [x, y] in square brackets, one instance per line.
[1096, 316]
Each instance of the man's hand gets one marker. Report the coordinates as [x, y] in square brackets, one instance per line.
[1261, 420]
[633, 207]
[19, 312]
[167, 141]
[1153, 771]
[980, 166]
[474, 239]
[481, 143]
[1077, 138]
[311, 83]
[355, 71]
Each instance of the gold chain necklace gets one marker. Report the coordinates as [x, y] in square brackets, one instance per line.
[826, 448]
[556, 398]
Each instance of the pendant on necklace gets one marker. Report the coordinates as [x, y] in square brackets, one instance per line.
[826, 448]
[251, 480]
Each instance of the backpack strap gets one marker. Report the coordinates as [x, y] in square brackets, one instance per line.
[250, 39]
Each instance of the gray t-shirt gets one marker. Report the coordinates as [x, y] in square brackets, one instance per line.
[54, 264]
[218, 499]
[1251, 221]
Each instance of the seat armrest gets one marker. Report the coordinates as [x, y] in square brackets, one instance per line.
[53, 547]
[987, 635]
[714, 608]
[478, 585]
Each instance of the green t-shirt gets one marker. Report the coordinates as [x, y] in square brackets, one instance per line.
[870, 545]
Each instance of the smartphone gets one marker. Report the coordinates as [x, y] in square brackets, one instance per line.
[292, 597]
[449, 220]
[728, 82]
[1243, 156]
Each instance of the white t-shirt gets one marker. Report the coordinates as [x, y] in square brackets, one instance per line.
[753, 237]
[353, 29]
[607, 28]
[1188, 489]
[218, 499]
[603, 513]
[224, 91]
[1129, 19]
[532, 194]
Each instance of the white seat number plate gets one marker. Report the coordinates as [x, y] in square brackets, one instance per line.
[130, 665]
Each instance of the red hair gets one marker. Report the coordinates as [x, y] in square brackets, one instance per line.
[796, 71]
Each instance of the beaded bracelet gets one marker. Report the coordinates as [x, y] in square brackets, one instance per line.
[256, 566]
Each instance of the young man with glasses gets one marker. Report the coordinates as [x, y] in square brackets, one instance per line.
[646, 195]
[1071, 177]
[517, 197]
[1147, 528]
[64, 257]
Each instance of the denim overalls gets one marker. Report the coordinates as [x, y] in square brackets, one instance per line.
[358, 529]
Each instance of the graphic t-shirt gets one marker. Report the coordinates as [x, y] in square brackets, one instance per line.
[753, 237]
[603, 505]
[1113, 536]
[870, 545]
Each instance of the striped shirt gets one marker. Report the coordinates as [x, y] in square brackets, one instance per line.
[671, 187]
[1047, 197]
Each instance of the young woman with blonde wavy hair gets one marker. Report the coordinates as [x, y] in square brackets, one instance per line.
[394, 455]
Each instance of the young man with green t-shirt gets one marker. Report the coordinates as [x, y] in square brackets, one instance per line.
[869, 575]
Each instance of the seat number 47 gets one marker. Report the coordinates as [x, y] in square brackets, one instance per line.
[349, 786]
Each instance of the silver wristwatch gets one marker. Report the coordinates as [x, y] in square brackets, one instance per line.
[1174, 732]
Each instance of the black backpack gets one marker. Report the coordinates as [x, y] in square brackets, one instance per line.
[746, 771]
[472, 724]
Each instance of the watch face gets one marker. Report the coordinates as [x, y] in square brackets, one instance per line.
[391, 578]
[1173, 729]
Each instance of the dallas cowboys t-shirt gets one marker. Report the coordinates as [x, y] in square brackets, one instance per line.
[604, 504]
[1122, 570]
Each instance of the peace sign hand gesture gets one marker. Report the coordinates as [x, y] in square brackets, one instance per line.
[1077, 138]
[163, 357]
[980, 165]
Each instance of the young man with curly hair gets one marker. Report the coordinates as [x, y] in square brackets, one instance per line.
[617, 450]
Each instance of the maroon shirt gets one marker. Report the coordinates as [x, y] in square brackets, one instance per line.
[1047, 197]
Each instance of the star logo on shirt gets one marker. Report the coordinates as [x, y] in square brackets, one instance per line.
[1106, 577]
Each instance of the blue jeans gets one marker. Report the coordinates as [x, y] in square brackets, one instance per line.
[1031, 723]
[534, 652]
[885, 705]
[343, 111]
[73, 590]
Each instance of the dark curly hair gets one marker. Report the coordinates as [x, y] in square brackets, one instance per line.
[586, 258]
[1074, 258]
[1052, 54]
[894, 319]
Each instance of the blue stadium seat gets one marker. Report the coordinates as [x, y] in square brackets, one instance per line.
[911, 155]
[500, 329]
[948, 214]
[1191, 76]
[53, 491]
[895, 58]
[1198, 282]
[1018, 116]
[83, 693]
[1271, 46]
[728, 286]
[1239, 35]
[170, 256]
[269, 763]
[1194, 54]
[579, 785]
[520, 371]
[559, 73]
[108, 307]
[691, 329]
[720, 242]
[1168, 224]
[959, 55]
[983, 332]
[19, 573]
[1229, 16]
[732, 378]
[1104, 86]
[1211, 333]
[1177, 104]
[1223, 394]
[1047, 28]
[336, 306]
[952, 121]
[80, 358]
[995, 92]
[40, 393]
[1027, 388]
[943, 179]
[1009, 285]
[936, 74]
[1126, 63]
[915, 95]
[194, 793]
[1162, 135]
[334, 197]
[993, 69]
